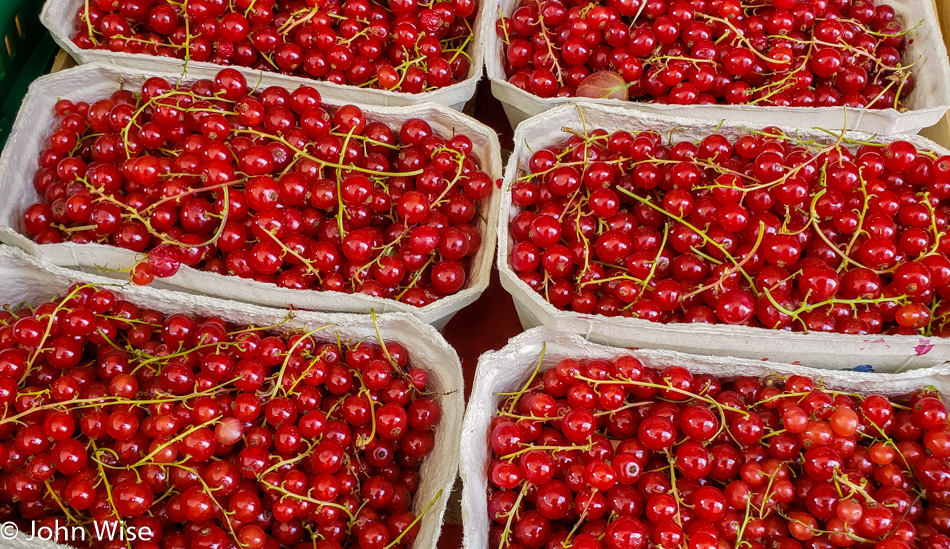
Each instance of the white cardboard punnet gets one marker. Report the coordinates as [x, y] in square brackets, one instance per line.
[59, 16]
[507, 370]
[889, 353]
[26, 279]
[926, 106]
[36, 121]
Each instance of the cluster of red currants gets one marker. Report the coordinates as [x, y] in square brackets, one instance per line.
[616, 455]
[764, 229]
[209, 435]
[399, 45]
[788, 53]
[272, 186]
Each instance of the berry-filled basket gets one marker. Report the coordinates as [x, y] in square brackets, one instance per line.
[923, 108]
[610, 461]
[28, 281]
[37, 121]
[59, 16]
[820, 347]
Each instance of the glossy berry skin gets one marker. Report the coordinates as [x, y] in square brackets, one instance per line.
[726, 455]
[778, 53]
[740, 228]
[196, 443]
[272, 186]
[360, 44]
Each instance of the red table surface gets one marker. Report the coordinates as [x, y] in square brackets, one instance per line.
[488, 323]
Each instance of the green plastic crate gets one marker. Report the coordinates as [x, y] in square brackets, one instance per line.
[26, 53]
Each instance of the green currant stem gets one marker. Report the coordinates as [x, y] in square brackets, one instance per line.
[49, 327]
[210, 492]
[290, 352]
[662, 388]
[179, 437]
[511, 515]
[290, 461]
[302, 153]
[555, 449]
[65, 509]
[840, 479]
[105, 482]
[88, 19]
[656, 261]
[688, 225]
[581, 519]
[737, 267]
[530, 381]
[414, 522]
[416, 277]
[363, 441]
